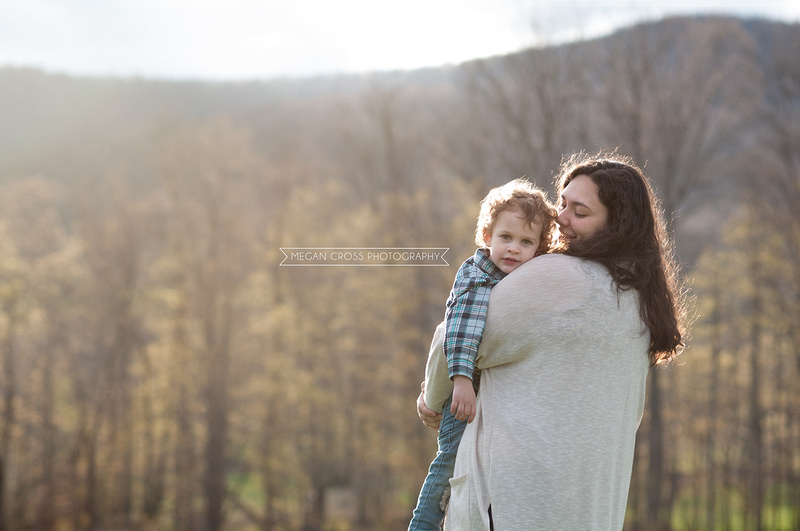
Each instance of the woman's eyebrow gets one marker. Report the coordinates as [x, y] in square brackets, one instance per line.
[576, 203]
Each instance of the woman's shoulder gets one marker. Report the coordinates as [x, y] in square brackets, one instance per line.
[556, 258]
[555, 275]
[554, 264]
[567, 264]
[537, 292]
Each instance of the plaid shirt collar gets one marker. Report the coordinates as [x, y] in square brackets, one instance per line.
[482, 260]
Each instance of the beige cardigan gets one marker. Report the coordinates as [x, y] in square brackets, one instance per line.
[564, 360]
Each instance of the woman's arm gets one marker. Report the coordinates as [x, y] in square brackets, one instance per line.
[438, 386]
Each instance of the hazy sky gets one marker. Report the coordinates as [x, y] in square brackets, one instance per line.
[248, 39]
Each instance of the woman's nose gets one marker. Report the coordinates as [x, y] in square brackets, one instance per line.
[561, 218]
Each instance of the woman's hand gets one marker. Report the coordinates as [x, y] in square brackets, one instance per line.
[429, 417]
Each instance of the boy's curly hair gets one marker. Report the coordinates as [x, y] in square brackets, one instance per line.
[520, 195]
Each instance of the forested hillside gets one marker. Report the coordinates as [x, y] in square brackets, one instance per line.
[160, 370]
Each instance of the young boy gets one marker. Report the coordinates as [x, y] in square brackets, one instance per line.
[516, 223]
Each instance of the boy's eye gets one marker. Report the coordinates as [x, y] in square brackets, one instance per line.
[527, 242]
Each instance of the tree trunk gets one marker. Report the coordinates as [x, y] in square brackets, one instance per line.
[713, 401]
[217, 425]
[755, 482]
[655, 469]
[9, 383]
[46, 509]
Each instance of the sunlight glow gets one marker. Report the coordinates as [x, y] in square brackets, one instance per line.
[246, 39]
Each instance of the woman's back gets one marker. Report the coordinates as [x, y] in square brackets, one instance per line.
[567, 359]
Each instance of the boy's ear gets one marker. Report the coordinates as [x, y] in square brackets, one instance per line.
[487, 238]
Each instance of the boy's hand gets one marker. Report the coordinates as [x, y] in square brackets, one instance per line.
[463, 407]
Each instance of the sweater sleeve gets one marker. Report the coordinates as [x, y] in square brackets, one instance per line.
[438, 386]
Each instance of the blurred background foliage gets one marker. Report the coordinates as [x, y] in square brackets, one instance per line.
[159, 370]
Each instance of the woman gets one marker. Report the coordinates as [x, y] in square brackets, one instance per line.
[568, 342]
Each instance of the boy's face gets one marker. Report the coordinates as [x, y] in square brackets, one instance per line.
[513, 240]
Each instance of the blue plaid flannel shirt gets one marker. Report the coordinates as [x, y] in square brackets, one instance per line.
[465, 316]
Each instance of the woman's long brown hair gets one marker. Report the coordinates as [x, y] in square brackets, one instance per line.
[634, 245]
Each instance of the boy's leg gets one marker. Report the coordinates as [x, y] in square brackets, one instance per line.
[435, 493]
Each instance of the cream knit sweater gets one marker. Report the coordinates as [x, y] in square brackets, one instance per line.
[564, 359]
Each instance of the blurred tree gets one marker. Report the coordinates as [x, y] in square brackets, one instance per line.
[210, 172]
[519, 115]
[102, 380]
[748, 464]
[32, 276]
[159, 370]
[678, 138]
[774, 188]
[11, 306]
